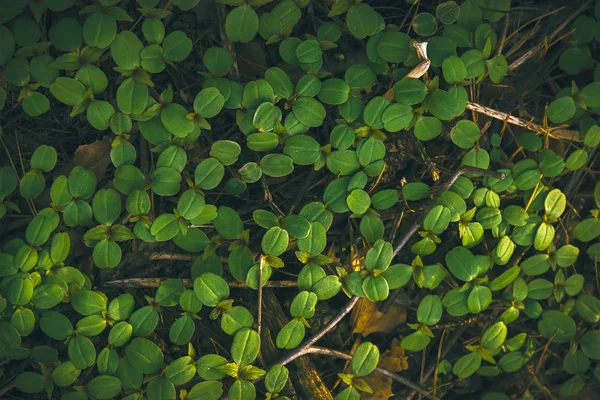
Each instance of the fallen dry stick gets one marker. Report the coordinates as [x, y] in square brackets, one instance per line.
[565, 134]
[139, 283]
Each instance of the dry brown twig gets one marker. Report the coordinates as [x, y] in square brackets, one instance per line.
[385, 372]
[564, 134]
[141, 283]
[534, 50]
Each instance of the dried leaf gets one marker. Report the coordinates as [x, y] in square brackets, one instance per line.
[94, 156]
[367, 319]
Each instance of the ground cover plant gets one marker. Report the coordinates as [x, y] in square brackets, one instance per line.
[299, 199]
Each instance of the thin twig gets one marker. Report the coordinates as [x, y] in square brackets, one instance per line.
[140, 283]
[540, 362]
[565, 134]
[385, 372]
[451, 342]
[173, 256]
[304, 350]
[462, 170]
[533, 51]
[437, 362]
[260, 295]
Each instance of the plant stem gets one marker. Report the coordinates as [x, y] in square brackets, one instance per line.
[304, 350]
[529, 54]
[565, 134]
[139, 283]
[260, 295]
[451, 342]
[397, 378]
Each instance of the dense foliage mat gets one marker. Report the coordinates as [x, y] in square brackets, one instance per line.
[174, 173]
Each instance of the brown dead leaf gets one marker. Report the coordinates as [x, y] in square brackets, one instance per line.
[393, 360]
[366, 319]
[94, 156]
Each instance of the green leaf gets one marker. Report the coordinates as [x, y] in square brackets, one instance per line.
[302, 149]
[437, 220]
[558, 325]
[465, 134]
[65, 374]
[67, 90]
[211, 289]
[106, 254]
[427, 128]
[365, 359]
[125, 50]
[343, 162]
[17, 71]
[226, 151]
[334, 91]
[99, 30]
[397, 117]
[358, 201]
[280, 82]
[245, 346]
[316, 241]
[424, 24]
[55, 325]
[87, 302]
[41, 72]
[99, 113]
[145, 356]
[228, 223]
[505, 279]
[535, 265]
[291, 335]
[479, 299]
[442, 105]
[276, 165]
[177, 46]
[588, 308]
[429, 311]
[309, 111]
[266, 117]
[467, 365]
[494, 336]
[174, 119]
[462, 264]
[398, 275]
[30, 382]
[561, 110]
[590, 344]
[447, 12]
[132, 97]
[234, 320]
[209, 173]
[577, 159]
[182, 330]
[327, 287]
[209, 102]
[275, 241]
[8, 48]
[209, 390]
[218, 61]
[120, 334]
[82, 352]
[379, 256]
[511, 362]
[376, 288]
[241, 24]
